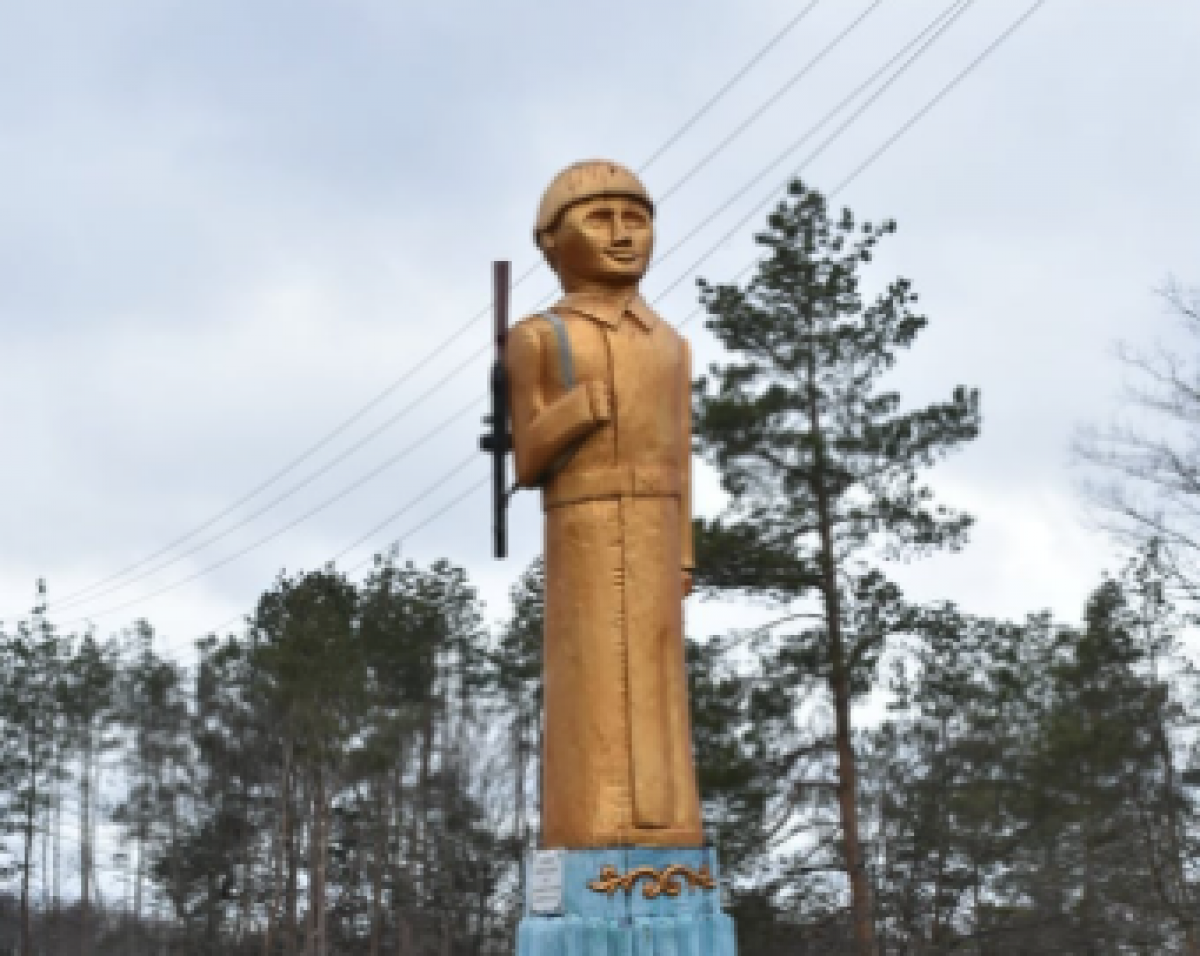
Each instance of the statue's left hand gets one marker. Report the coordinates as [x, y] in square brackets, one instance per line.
[687, 583]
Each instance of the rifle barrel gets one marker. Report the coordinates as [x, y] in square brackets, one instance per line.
[499, 386]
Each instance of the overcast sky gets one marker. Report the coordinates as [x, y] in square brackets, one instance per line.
[227, 227]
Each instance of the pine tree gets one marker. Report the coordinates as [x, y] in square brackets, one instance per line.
[152, 710]
[30, 704]
[306, 645]
[1080, 860]
[90, 711]
[1171, 801]
[1147, 475]
[752, 759]
[820, 464]
[948, 770]
[517, 679]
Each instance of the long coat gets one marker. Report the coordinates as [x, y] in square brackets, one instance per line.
[613, 457]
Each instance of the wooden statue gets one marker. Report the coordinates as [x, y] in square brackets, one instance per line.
[599, 389]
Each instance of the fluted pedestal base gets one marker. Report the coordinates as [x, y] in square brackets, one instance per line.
[625, 901]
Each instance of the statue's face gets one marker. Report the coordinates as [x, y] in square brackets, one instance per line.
[605, 241]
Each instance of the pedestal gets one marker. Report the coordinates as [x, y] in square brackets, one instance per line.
[625, 901]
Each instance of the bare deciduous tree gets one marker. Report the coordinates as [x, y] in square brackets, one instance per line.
[1144, 468]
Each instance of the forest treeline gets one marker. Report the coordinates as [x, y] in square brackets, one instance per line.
[359, 767]
[335, 779]
[355, 771]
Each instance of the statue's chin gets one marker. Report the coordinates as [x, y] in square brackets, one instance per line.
[607, 281]
[622, 279]
[621, 274]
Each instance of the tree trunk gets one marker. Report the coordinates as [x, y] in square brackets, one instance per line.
[279, 841]
[174, 858]
[45, 857]
[1184, 912]
[420, 849]
[27, 861]
[317, 872]
[289, 847]
[247, 893]
[839, 686]
[307, 824]
[520, 759]
[404, 857]
[403, 935]
[276, 891]
[378, 852]
[210, 911]
[860, 890]
[244, 865]
[537, 767]
[140, 849]
[941, 836]
[85, 844]
[56, 889]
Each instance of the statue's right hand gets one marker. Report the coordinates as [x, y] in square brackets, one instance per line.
[600, 400]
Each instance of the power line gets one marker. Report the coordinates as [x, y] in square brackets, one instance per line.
[451, 504]
[354, 486]
[448, 506]
[154, 568]
[396, 384]
[771, 100]
[71, 601]
[299, 486]
[659, 297]
[942, 93]
[729, 85]
[900, 131]
[948, 16]
[938, 26]
[358, 542]
[758, 113]
[307, 453]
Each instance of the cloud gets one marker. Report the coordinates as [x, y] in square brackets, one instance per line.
[223, 228]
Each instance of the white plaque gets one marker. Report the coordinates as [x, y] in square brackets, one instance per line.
[546, 882]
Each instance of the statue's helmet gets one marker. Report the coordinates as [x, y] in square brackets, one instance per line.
[587, 180]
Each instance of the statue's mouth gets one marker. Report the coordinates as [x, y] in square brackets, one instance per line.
[623, 257]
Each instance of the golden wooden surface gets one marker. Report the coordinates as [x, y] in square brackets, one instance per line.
[617, 759]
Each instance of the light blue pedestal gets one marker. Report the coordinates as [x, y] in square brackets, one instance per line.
[627, 922]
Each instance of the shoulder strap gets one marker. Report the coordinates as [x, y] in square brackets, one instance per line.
[568, 374]
[564, 348]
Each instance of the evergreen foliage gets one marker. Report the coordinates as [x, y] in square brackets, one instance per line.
[355, 770]
[1031, 788]
[1035, 786]
[821, 464]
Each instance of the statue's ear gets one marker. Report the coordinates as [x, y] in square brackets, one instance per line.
[546, 242]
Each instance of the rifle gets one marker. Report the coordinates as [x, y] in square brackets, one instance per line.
[497, 440]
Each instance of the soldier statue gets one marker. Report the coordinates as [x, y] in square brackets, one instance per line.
[600, 399]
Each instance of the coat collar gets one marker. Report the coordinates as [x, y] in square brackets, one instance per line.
[607, 310]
